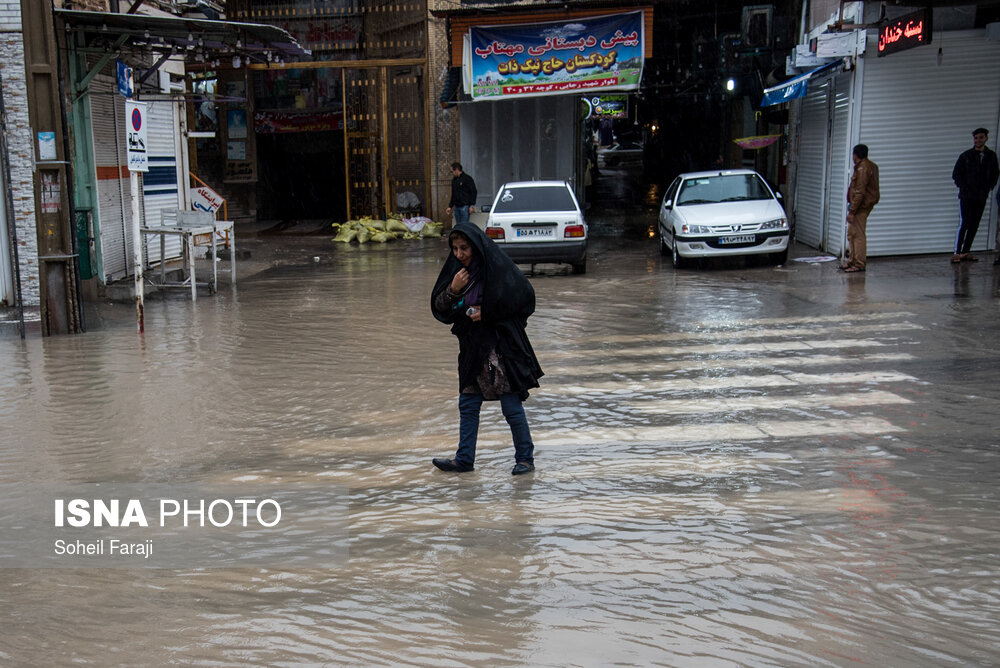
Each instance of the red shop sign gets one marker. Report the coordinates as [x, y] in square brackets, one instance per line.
[905, 32]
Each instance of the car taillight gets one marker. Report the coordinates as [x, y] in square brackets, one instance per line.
[494, 232]
[573, 231]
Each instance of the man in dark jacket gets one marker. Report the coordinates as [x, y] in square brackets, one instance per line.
[975, 174]
[463, 194]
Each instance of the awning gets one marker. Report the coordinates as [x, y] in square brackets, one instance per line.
[796, 87]
[110, 33]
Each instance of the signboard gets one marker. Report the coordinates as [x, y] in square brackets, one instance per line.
[125, 80]
[599, 53]
[272, 122]
[135, 136]
[46, 145]
[204, 198]
[906, 32]
[607, 106]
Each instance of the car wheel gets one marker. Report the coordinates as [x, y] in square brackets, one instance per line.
[780, 257]
[676, 258]
[580, 268]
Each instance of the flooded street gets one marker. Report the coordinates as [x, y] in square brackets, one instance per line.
[736, 466]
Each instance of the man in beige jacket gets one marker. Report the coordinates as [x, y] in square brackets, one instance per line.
[862, 196]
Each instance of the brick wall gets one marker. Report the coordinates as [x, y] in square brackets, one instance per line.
[19, 145]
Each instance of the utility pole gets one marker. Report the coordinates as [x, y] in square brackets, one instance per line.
[61, 308]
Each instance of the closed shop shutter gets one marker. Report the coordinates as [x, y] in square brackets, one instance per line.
[811, 174]
[113, 200]
[160, 191]
[919, 108]
[839, 165]
[519, 140]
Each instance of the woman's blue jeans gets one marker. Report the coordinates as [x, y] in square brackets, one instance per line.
[468, 430]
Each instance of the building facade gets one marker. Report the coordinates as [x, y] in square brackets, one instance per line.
[20, 159]
[915, 109]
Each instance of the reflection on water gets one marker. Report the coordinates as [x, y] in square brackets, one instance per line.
[839, 517]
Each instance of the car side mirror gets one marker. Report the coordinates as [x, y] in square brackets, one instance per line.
[485, 208]
[777, 194]
[668, 204]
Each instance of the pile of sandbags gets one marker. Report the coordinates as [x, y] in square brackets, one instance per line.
[367, 229]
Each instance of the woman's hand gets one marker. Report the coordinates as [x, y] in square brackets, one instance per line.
[459, 281]
[477, 315]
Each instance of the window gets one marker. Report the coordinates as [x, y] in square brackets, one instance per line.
[538, 198]
[725, 188]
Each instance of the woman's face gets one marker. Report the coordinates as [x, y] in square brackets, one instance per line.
[462, 250]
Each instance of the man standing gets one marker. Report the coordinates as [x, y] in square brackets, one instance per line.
[463, 194]
[862, 196]
[975, 174]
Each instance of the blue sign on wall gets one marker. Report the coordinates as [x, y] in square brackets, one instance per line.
[125, 86]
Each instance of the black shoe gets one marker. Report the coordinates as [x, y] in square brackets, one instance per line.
[522, 467]
[450, 465]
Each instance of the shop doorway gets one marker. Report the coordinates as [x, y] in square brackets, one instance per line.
[301, 176]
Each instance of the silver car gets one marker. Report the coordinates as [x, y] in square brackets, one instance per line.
[722, 213]
[539, 221]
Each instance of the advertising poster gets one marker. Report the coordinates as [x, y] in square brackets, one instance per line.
[592, 54]
[237, 123]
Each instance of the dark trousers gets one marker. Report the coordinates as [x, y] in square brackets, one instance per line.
[468, 430]
[972, 212]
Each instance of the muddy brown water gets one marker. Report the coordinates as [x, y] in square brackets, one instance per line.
[736, 466]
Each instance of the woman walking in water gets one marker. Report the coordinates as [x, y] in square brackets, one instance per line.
[486, 299]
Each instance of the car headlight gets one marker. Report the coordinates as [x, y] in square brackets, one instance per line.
[776, 224]
[695, 229]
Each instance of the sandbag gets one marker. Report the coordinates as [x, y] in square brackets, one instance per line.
[395, 225]
[346, 235]
[432, 230]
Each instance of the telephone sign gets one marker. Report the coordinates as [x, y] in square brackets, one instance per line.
[135, 136]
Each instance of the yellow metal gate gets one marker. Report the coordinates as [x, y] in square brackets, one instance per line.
[384, 140]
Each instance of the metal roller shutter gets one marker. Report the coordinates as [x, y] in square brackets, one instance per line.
[160, 192]
[107, 121]
[840, 165]
[918, 112]
[811, 174]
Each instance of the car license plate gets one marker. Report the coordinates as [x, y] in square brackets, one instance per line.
[536, 231]
[741, 239]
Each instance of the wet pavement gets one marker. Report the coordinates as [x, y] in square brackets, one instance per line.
[737, 465]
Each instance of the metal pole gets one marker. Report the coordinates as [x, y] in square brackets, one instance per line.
[8, 202]
[137, 251]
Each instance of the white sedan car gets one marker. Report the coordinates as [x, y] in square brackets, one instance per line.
[539, 221]
[720, 213]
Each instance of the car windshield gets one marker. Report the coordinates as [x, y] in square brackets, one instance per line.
[536, 198]
[722, 188]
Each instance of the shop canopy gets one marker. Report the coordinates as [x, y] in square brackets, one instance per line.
[796, 87]
[111, 33]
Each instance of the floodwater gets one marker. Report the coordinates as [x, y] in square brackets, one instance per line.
[737, 466]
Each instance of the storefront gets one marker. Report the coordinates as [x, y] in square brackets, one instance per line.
[163, 189]
[915, 110]
[112, 56]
